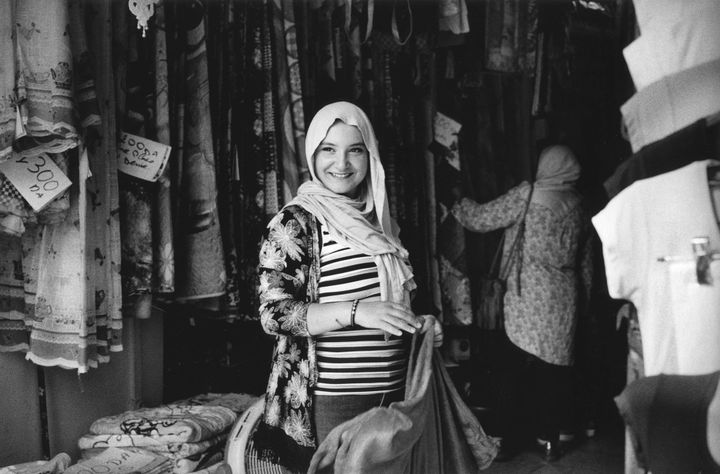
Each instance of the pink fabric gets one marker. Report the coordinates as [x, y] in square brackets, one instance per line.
[431, 431]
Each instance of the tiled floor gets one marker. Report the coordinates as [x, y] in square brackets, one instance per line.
[602, 454]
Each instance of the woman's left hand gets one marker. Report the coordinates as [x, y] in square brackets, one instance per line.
[438, 335]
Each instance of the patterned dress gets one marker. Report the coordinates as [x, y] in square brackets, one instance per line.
[551, 268]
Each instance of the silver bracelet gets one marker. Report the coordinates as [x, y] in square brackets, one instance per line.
[353, 309]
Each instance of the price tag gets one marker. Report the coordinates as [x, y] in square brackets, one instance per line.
[446, 130]
[37, 178]
[142, 158]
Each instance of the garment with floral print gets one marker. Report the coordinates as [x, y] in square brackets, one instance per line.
[289, 271]
[551, 269]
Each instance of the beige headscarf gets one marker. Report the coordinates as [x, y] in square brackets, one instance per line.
[364, 223]
[558, 171]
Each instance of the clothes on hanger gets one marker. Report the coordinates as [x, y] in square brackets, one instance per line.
[684, 36]
[695, 142]
[672, 103]
[657, 217]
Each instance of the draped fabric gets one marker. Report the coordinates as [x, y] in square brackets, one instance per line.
[163, 247]
[510, 35]
[201, 274]
[135, 194]
[70, 250]
[45, 77]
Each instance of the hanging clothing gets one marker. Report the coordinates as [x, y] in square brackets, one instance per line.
[672, 103]
[654, 218]
[45, 77]
[673, 39]
[668, 418]
[692, 143]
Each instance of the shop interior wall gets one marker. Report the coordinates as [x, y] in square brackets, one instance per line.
[132, 377]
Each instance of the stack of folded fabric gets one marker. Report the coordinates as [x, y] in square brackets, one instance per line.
[191, 433]
[130, 460]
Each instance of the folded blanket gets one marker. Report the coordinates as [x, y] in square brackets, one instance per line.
[175, 423]
[169, 450]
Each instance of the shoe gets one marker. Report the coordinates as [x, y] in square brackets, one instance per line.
[505, 451]
[552, 451]
[566, 437]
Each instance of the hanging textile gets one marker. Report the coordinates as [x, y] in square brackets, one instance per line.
[224, 50]
[163, 248]
[44, 83]
[103, 193]
[249, 157]
[63, 326]
[273, 175]
[132, 87]
[8, 99]
[510, 35]
[201, 272]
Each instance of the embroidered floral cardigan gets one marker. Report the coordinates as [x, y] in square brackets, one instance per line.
[289, 271]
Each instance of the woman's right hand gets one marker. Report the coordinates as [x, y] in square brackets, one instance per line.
[393, 318]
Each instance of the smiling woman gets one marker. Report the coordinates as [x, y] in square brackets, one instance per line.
[335, 287]
[341, 160]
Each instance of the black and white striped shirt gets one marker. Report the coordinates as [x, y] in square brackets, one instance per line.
[355, 361]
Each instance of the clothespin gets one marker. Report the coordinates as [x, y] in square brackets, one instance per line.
[702, 257]
[700, 246]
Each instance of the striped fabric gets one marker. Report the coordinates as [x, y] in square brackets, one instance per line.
[354, 361]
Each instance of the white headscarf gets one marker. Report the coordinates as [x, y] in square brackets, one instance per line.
[364, 223]
[558, 171]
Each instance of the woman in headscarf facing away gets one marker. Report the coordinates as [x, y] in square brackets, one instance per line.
[549, 277]
[334, 289]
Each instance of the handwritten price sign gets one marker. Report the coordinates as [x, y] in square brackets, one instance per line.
[37, 178]
[142, 158]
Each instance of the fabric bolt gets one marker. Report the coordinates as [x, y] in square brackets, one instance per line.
[541, 302]
[45, 82]
[672, 103]
[430, 430]
[662, 226]
[8, 98]
[671, 44]
[289, 92]
[135, 195]
[274, 193]
[103, 210]
[178, 423]
[201, 272]
[692, 143]
[163, 245]
[85, 95]
[668, 417]
[251, 162]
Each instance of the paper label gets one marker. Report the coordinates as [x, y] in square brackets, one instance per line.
[446, 131]
[142, 158]
[37, 178]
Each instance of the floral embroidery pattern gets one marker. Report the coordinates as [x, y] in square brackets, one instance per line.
[284, 268]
